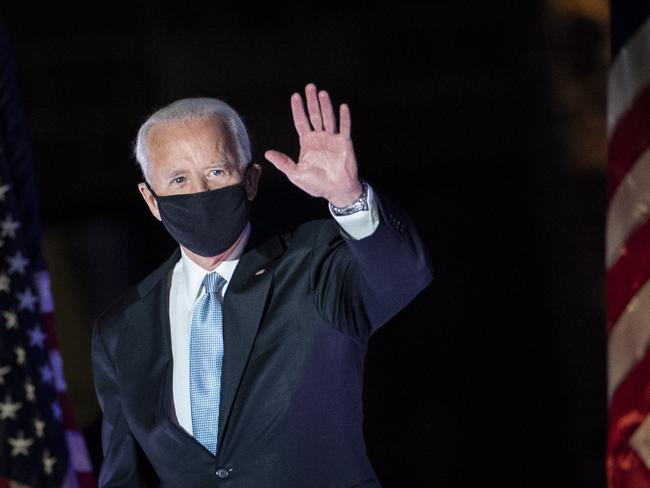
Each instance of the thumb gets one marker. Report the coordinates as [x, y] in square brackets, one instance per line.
[281, 161]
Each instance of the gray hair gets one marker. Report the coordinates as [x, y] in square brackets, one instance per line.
[237, 141]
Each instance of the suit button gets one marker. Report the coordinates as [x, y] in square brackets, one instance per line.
[223, 473]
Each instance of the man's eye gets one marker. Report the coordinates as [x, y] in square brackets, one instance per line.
[178, 180]
[216, 172]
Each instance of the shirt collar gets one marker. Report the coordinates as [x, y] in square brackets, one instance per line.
[193, 273]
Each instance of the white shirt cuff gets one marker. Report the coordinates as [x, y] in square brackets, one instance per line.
[362, 223]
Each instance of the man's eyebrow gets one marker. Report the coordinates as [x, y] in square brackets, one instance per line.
[174, 172]
[223, 163]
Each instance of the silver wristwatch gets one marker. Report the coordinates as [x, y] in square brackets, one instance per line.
[359, 204]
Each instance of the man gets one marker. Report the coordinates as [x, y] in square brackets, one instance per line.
[238, 363]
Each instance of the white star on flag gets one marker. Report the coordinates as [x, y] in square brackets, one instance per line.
[27, 300]
[20, 355]
[4, 282]
[30, 391]
[3, 371]
[3, 192]
[15, 484]
[36, 336]
[47, 374]
[8, 408]
[39, 425]
[19, 444]
[11, 319]
[48, 462]
[8, 227]
[17, 263]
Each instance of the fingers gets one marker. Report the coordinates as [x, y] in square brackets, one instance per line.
[281, 161]
[299, 117]
[321, 113]
[326, 109]
[313, 107]
[344, 116]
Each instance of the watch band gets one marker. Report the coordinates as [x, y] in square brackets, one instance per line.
[358, 205]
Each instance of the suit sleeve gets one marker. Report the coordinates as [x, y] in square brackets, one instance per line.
[123, 456]
[359, 284]
[362, 223]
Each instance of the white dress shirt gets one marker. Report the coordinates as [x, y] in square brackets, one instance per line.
[186, 288]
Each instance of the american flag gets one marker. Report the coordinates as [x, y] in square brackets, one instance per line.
[628, 245]
[40, 446]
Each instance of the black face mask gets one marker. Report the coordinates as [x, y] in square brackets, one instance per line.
[207, 223]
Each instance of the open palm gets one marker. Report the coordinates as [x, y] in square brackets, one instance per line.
[326, 165]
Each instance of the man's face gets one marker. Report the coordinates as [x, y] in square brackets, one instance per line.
[190, 157]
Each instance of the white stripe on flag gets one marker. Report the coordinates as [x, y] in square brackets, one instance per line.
[44, 290]
[78, 454]
[57, 366]
[640, 441]
[628, 208]
[70, 480]
[628, 75]
[629, 339]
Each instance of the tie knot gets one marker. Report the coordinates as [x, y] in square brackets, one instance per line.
[213, 282]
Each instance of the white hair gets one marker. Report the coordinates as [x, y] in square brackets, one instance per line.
[233, 129]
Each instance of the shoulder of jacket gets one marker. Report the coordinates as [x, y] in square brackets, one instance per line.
[112, 315]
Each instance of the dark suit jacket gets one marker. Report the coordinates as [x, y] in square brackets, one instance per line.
[295, 338]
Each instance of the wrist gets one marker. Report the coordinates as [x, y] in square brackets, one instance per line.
[342, 200]
[351, 204]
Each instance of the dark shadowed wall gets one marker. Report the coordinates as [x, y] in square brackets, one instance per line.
[496, 373]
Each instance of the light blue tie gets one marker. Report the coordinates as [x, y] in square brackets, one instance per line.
[206, 355]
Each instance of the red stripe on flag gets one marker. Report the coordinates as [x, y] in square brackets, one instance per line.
[628, 274]
[630, 139]
[86, 480]
[69, 420]
[632, 472]
[629, 406]
[49, 326]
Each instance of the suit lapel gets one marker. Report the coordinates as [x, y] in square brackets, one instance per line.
[156, 305]
[243, 306]
[148, 346]
[147, 315]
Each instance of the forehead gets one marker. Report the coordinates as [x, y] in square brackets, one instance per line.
[173, 138]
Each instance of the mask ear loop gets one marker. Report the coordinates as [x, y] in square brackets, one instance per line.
[150, 189]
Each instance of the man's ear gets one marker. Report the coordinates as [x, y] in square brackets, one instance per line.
[251, 180]
[149, 199]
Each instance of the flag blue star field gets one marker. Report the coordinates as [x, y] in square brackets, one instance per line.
[39, 443]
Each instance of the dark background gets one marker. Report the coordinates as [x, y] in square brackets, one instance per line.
[496, 372]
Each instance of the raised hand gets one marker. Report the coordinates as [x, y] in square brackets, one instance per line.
[326, 165]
